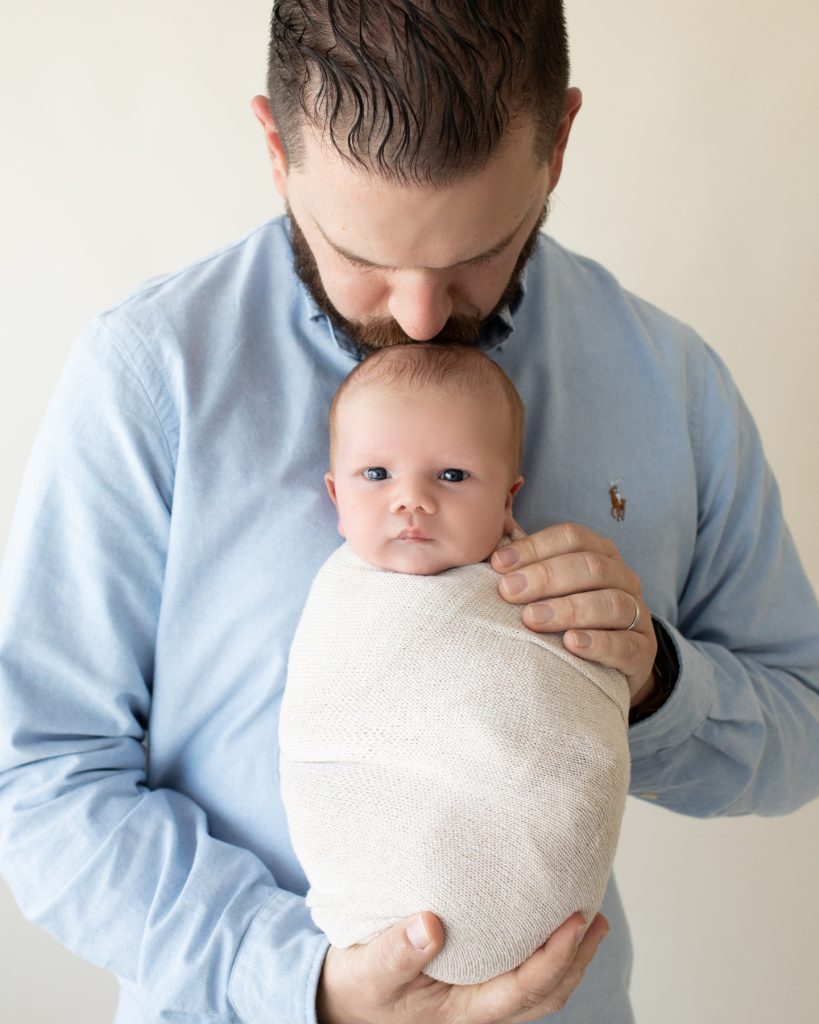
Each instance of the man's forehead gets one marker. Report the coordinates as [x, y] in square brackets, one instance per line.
[392, 225]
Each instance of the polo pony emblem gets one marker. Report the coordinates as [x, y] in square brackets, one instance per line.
[618, 502]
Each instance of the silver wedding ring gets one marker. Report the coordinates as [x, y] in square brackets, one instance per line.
[636, 622]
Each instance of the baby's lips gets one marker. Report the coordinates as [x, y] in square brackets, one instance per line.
[412, 535]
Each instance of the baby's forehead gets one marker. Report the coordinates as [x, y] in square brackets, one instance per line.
[398, 383]
[385, 414]
[452, 401]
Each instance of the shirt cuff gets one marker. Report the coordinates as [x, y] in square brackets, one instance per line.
[684, 711]
[278, 964]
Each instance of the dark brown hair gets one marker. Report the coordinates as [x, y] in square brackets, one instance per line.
[420, 365]
[420, 91]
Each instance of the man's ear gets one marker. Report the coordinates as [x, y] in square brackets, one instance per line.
[331, 490]
[574, 100]
[275, 147]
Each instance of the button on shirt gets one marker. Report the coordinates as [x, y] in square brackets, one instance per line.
[171, 520]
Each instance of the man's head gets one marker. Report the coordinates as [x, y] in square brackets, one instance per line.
[425, 452]
[421, 91]
[416, 144]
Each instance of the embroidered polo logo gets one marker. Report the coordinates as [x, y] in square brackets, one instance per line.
[618, 502]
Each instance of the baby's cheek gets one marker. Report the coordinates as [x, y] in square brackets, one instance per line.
[480, 545]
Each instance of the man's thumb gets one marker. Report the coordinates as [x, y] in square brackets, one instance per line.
[408, 947]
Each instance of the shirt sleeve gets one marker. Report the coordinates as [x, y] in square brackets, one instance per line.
[740, 732]
[126, 876]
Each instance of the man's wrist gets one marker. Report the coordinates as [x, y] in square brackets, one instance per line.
[664, 676]
[646, 691]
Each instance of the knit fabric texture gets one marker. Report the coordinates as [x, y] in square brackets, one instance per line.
[438, 755]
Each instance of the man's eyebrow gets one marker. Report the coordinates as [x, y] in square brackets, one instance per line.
[494, 251]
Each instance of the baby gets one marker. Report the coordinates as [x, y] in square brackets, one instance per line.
[436, 754]
[425, 450]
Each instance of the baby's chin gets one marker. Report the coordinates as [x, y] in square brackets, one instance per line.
[420, 558]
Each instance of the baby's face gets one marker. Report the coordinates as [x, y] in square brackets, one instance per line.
[422, 480]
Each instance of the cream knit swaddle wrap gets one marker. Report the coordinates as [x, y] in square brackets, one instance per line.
[437, 755]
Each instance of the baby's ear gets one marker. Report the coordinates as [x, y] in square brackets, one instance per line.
[510, 527]
[331, 490]
[513, 490]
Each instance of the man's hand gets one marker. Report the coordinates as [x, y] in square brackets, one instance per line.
[572, 579]
[382, 982]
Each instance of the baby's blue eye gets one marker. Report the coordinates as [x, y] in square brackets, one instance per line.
[375, 473]
[453, 476]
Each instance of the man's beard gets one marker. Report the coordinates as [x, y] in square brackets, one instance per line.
[385, 332]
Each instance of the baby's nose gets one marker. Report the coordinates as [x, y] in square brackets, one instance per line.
[413, 497]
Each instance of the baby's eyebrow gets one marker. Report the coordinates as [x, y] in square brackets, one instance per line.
[496, 250]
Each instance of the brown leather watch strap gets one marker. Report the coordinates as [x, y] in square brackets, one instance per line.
[666, 671]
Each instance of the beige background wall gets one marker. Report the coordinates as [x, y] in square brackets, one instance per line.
[128, 149]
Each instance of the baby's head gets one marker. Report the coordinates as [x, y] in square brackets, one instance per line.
[425, 453]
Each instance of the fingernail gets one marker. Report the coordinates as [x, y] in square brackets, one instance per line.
[541, 613]
[507, 557]
[514, 584]
[580, 639]
[581, 931]
[417, 933]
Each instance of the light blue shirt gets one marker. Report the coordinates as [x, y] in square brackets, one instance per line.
[171, 520]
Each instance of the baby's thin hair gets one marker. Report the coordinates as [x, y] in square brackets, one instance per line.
[421, 366]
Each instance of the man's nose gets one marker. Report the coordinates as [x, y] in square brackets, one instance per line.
[420, 304]
[413, 496]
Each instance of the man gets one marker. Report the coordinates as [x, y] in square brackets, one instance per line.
[173, 517]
